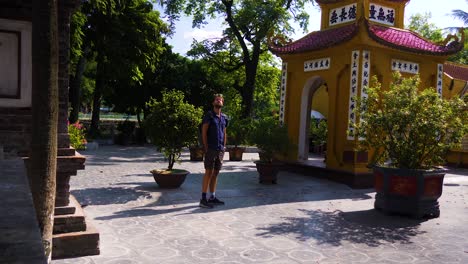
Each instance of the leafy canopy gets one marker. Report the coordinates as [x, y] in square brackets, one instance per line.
[249, 23]
[411, 129]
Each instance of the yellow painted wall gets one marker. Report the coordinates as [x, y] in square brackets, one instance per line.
[452, 87]
[320, 101]
[338, 82]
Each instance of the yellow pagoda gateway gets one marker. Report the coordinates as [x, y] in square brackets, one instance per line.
[326, 69]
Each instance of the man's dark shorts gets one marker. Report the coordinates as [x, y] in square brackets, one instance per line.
[214, 159]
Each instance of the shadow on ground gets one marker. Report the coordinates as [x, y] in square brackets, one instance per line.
[368, 227]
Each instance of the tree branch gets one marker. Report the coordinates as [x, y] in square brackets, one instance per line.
[235, 29]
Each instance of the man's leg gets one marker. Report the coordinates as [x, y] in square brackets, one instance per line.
[209, 169]
[214, 179]
[205, 184]
[207, 179]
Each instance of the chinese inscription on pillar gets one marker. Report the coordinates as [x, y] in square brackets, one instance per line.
[353, 93]
[365, 76]
[382, 14]
[342, 14]
[440, 73]
[284, 76]
[405, 66]
[316, 65]
[365, 73]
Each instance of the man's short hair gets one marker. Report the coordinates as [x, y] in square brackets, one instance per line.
[218, 95]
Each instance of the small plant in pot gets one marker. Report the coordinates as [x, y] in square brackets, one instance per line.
[196, 147]
[318, 135]
[273, 143]
[237, 135]
[408, 133]
[171, 126]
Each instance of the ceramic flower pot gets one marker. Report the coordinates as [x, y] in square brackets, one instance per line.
[268, 172]
[235, 153]
[408, 192]
[169, 179]
[196, 153]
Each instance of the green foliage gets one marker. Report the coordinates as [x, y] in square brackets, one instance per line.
[172, 124]
[77, 135]
[78, 19]
[412, 129]
[249, 23]
[268, 79]
[420, 23]
[462, 56]
[271, 138]
[461, 15]
[318, 132]
[125, 40]
[238, 131]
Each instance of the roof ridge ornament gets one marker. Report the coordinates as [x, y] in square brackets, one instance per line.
[277, 40]
[455, 38]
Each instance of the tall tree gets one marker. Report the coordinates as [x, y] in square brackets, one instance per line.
[79, 50]
[125, 37]
[249, 23]
[45, 105]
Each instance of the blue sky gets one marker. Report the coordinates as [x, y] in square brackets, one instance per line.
[440, 10]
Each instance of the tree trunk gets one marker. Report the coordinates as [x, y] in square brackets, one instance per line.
[248, 88]
[75, 88]
[97, 95]
[45, 107]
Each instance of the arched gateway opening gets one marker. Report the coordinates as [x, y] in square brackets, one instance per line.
[309, 90]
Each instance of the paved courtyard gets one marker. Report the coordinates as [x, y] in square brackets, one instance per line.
[302, 219]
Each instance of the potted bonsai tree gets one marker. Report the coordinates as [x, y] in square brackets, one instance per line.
[273, 143]
[408, 134]
[236, 136]
[171, 126]
[318, 135]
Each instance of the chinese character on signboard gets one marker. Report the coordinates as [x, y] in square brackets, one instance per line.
[382, 14]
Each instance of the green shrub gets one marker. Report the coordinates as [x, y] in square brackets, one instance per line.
[238, 131]
[172, 124]
[407, 128]
[318, 132]
[271, 138]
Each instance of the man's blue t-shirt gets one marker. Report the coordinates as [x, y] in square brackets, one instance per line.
[216, 126]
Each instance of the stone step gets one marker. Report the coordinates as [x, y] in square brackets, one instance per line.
[68, 209]
[76, 244]
[74, 222]
[66, 152]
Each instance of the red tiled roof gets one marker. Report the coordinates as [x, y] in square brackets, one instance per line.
[456, 71]
[409, 41]
[318, 40]
[396, 38]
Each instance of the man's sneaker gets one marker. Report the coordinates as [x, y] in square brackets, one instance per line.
[215, 201]
[205, 204]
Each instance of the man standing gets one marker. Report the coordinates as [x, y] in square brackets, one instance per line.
[214, 143]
